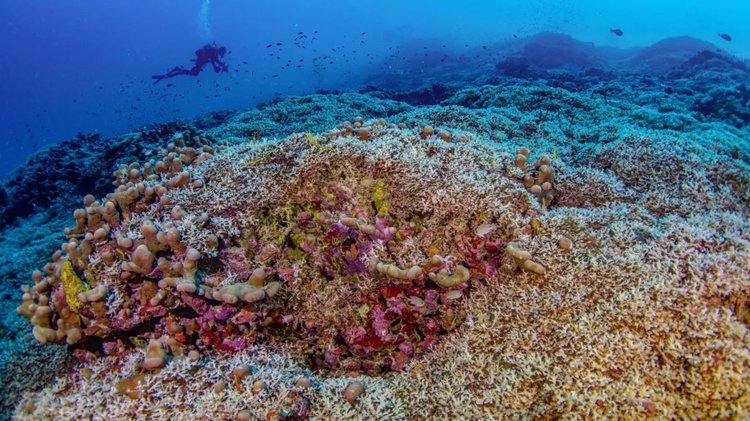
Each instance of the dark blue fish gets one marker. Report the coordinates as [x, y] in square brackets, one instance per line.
[616, 31]
[726, 37]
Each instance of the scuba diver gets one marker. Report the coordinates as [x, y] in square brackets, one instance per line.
[209, 53]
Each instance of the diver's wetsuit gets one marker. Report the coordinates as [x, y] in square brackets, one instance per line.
[209, 53]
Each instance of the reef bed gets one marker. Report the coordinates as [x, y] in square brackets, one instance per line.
[517, 251]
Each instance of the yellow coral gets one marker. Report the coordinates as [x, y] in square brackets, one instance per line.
[276, 223]
[72, 286]
[381, 197]
[311, 139]
[536, 225]
[257, 161]
[257, 133]
[296, 254]
[90, 278]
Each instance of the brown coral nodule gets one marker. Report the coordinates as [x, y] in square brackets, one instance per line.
[539, 179]
[565, 244]
[523, 259]
[426, 132]
[353, 391]
[155, 355]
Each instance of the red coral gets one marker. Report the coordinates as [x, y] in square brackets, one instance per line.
[481, 253]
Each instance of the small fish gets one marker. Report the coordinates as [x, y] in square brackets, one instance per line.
[454, 295]
[726, 37]
[616, 31]
[485, 229]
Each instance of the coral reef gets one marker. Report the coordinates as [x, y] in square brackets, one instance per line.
[358, 255]
[577, 246]
[70, 169]
[314, 259]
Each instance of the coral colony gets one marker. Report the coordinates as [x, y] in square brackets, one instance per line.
[515, 251]
[354, 269]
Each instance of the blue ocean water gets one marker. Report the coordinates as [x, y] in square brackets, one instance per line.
[85, 66]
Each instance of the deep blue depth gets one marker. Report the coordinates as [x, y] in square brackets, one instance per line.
[85, 66]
